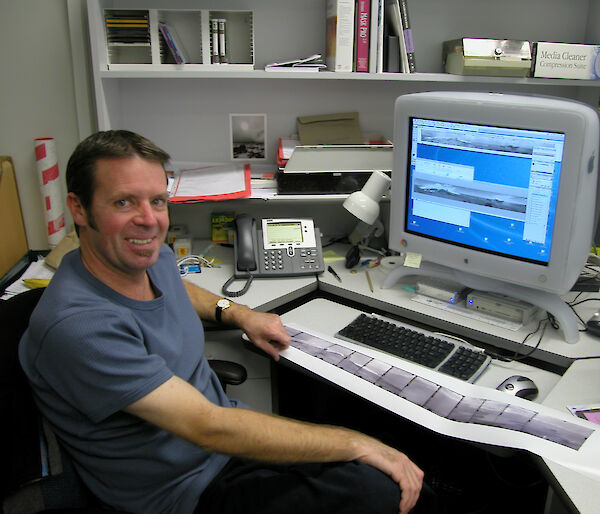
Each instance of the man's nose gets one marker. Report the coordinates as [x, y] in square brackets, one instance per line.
[145, 214]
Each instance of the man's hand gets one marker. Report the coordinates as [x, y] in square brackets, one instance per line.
[264, 329]
[400, 468]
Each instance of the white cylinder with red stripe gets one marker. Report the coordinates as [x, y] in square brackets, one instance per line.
[52, 195]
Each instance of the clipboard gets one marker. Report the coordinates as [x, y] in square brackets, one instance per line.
[13, 239]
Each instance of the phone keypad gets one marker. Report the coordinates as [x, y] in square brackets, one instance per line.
[305, 259]
[273, 259]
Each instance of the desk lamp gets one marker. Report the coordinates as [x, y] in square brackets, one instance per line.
[364, 204]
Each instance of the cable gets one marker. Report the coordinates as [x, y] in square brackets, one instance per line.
[193, 260]
[235, 294]
[516, 356]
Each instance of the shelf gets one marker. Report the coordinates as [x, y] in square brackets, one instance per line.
[240, 71]
[325, 198]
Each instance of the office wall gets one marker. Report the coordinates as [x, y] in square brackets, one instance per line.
[37, 97]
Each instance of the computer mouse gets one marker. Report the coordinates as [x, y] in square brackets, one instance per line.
[520, 386]
[593, 325]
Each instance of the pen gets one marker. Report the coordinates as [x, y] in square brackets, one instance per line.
[332, 271]
[369, 281]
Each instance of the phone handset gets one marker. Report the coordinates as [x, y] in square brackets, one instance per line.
[244, 254]
[245, 239]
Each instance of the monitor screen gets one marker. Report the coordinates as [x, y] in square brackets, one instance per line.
[496, 187]
[484, 187]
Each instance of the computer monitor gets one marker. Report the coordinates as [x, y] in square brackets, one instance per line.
[496, 191]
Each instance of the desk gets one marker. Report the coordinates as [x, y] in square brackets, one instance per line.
[555, 391]
[553, 349]
[580, 385]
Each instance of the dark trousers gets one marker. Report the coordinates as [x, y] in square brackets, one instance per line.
[246, 487]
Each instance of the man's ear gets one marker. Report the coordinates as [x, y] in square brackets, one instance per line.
[77, 210]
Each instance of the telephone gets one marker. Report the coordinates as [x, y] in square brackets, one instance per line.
[279, 247]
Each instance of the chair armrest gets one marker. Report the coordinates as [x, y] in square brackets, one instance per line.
[229, 373]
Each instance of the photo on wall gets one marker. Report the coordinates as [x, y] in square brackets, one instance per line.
[248, 136]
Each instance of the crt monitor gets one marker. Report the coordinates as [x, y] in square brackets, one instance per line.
[495, 189]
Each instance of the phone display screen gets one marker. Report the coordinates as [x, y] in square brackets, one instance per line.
[284, 232]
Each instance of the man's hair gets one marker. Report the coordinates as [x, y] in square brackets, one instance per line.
[109, 144]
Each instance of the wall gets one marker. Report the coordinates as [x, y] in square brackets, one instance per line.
[37, 97]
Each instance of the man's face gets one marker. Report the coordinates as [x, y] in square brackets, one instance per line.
[128, 220]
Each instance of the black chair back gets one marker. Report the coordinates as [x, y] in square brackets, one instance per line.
[19, 430]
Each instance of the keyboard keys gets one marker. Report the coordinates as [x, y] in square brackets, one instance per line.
[420, 347]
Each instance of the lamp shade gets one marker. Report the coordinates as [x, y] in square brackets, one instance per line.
[364, 204]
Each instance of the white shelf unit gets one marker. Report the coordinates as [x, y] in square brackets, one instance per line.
[185, 108]
[193, 32]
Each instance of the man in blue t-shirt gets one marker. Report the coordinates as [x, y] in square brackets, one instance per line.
[114, 353]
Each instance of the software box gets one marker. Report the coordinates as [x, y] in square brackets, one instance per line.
[566, 61]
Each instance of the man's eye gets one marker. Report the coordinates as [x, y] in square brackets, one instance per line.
[122, 203]
[159, 202]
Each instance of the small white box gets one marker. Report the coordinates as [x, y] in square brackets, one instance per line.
[182, 247]
[567, 61]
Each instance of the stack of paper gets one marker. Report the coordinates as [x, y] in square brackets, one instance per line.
[312, 63]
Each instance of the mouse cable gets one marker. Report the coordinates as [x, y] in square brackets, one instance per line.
[515, 356]
[530, 352]
[589, 357]
[577, 302]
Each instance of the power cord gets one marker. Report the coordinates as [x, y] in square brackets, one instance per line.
[193, 260]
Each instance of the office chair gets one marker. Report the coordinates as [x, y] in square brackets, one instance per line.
[32, 480]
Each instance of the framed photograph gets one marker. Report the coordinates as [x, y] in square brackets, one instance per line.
[248, 136]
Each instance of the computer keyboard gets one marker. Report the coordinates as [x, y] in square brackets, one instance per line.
[434, 351]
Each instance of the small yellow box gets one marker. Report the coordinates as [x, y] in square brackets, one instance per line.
[222, 225]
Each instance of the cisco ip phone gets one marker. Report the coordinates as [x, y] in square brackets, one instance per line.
[274, 247]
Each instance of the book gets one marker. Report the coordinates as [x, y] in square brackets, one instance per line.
[222, 43]
[392, 54]
[340, 35]
[174, 44]
[363, 10]
[376, 43]
[392, 11]
[214, 41]
[408, 39]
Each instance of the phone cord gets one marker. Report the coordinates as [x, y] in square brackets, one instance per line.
[235, 294]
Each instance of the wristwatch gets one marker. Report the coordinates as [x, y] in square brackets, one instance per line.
[222, 304]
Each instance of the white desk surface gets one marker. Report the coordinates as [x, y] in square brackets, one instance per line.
[327, 317]
[580, 385]
[397, 300]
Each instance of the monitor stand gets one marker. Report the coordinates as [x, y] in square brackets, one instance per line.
[549, 302]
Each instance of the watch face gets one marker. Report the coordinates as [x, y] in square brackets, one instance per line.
[223, 303]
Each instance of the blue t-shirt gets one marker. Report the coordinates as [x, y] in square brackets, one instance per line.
[89, 352]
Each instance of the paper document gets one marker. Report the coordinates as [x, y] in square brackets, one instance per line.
[220, 182]
[36, 270]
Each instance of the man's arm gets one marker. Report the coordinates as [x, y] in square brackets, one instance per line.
[264, 329]
[179, 408]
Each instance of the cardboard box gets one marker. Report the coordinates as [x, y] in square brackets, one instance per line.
[323, 129]
[566, 61]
